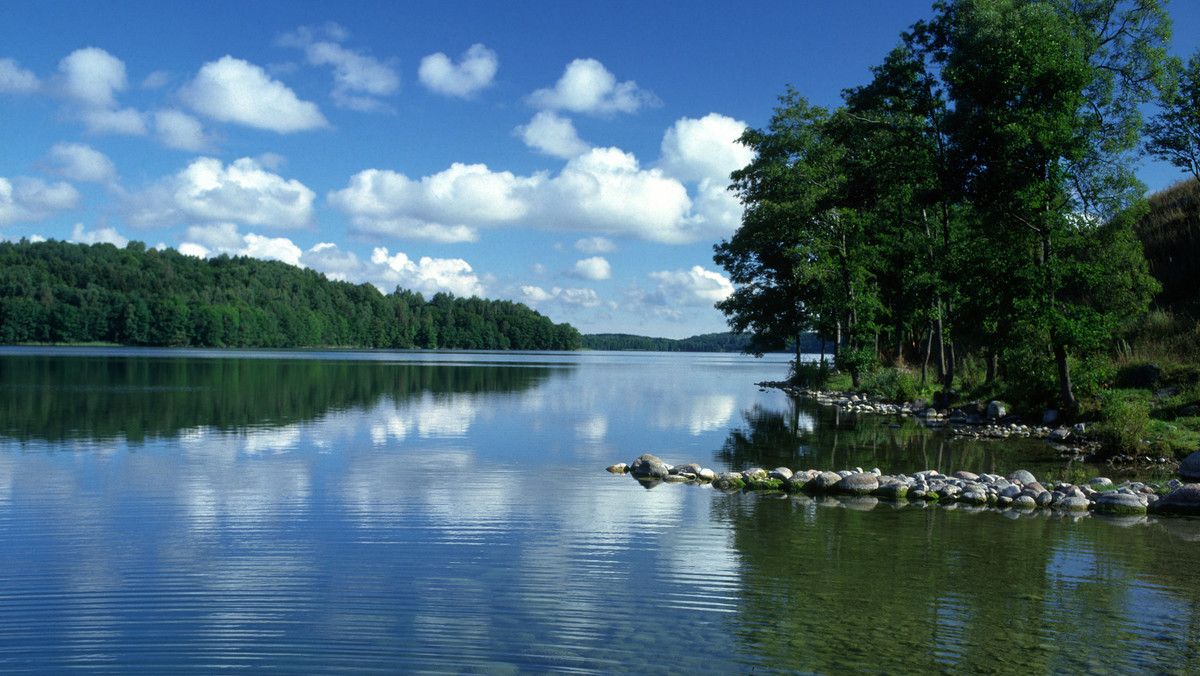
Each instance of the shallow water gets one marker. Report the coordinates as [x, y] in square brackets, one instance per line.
[187, 511]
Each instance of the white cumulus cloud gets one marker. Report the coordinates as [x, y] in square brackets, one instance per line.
[90, 79]
[224, 238]
[604, 191]
[207, 191]
[595, 268]
[239, 92]
[92, 76]
[595, 245]
[176, 129]
[473, 72]
[32, 200]
[586, 86]
[579, 297]
[693, 150]
[103, 235]
[80, 162]
[552, 135]
[694, 287]
[427, 275]
[16, 80]
[358, 79]
[446, 207]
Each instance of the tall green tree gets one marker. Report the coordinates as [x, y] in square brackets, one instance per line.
[1174, 133]
[769, 258]
[1045, 118]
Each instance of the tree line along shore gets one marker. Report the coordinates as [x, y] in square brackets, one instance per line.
[969, 221]
[58, 292]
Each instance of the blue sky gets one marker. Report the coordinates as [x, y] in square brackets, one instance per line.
[572, 156]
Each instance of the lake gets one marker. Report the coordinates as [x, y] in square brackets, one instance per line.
[189, 511]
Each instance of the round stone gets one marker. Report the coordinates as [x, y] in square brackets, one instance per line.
[859, 483]
[649, 466]
[1023, 476]
[1182, 500]
[1073, 503]
[824, 481]
[1024, 502]
[1116, 502]
[1190, 467]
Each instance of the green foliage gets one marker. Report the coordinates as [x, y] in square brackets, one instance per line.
[1029, 376]
[1174, 134]
[891, 385]
[814, 374]
[59, 292]
[1092, 373]
[1124, 423]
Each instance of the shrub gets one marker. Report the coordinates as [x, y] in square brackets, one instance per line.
[1123, 424]
[892, 385]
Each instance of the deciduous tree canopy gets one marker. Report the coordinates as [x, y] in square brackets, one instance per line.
[56, 292]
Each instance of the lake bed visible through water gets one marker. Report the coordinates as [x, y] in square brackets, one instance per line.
[176, 511]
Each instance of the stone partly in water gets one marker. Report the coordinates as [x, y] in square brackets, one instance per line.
[1190, 467]
[1182, 500]
[823, 481]
[1119, 503]
[859, 483]
[649, 467]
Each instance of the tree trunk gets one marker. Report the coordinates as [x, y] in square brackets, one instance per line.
[925, 357]
[992, 362]
[1067, 392]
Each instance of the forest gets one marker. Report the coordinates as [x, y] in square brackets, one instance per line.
[58, 292]
[967, 218]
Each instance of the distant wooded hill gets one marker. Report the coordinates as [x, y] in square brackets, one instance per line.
[709, 342]
[1170, 236]
[56, 292]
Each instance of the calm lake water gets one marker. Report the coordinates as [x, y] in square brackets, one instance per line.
[353, 512]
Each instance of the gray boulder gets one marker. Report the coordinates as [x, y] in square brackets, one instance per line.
[996, 410]
[1190, 467]
[1022, 476]
[1117, 502]
[859, 483]
[1182, 500]
[688, 468]
[781, 473]
[824, 481]
[1073, 503]
[649, 466]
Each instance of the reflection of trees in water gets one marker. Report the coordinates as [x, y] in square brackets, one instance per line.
[59, 397]
[911, 590]
[810, 436]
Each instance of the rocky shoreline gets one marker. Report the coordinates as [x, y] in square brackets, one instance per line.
[973, 419]
[1019, 491]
